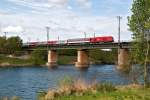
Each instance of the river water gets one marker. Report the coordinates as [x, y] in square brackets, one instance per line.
[26, 82]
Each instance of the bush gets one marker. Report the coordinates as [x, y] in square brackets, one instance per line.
[41, 95]
[39, 57]
[13, 98]
[66, 81]
[106, 87]
[68, 52]
[78, 87]
[65, 86]
[10, 45]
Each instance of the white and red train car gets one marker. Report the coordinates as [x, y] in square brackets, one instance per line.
[102, 39]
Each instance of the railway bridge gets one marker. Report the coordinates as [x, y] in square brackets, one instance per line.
[82, 52]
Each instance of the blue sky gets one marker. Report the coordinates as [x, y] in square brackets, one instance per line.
[66, 18]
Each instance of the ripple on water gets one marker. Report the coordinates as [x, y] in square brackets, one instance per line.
[26, 82]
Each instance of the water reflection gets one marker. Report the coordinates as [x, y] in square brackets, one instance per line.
[26, 82]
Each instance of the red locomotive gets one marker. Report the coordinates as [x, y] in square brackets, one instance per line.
[103, 39]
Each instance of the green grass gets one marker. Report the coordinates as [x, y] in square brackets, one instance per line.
[14, 61]
[78, 90]
[135, 94]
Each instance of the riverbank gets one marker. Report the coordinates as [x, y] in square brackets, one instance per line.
[6, 61]
[26, 82]
[97, 92]
[65, 57]
[128, 92]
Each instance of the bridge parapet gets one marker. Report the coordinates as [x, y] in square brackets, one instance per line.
[82, 46]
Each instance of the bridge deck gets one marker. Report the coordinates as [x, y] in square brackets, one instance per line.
[82, 46]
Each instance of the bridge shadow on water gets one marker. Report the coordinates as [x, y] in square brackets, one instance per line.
[101, 73]
[27, 81]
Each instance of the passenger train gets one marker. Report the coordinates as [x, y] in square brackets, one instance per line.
[92, 40]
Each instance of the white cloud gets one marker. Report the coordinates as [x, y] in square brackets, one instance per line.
[66, 25]
[41, 4]
[52, 4]
[3, 12]
[69, 7]
[63, 22]
[58, 3]
[13, 29]
[86, 4]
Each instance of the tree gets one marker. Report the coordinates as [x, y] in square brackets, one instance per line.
[69, 52]
[2, 44]
[13, 44]
[139, 24]
[103, 57]
[39, 57]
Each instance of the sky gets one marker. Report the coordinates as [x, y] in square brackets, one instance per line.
[66, 18]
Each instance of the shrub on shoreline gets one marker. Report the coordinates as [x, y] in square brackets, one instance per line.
[78, 87]
[13, 98]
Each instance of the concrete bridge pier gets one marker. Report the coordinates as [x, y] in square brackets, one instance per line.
[82, 59]
[52, 59]
[123, 60]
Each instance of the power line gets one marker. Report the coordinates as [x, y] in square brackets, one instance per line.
[85, 35]
[47, 30]
[119, 31]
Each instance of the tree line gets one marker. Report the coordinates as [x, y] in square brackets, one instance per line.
[139, 23]
[10, 45]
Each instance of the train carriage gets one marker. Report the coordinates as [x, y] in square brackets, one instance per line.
[102, 39]
[62, 42]
[52, 43]
[78, 41]
[30, 44]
